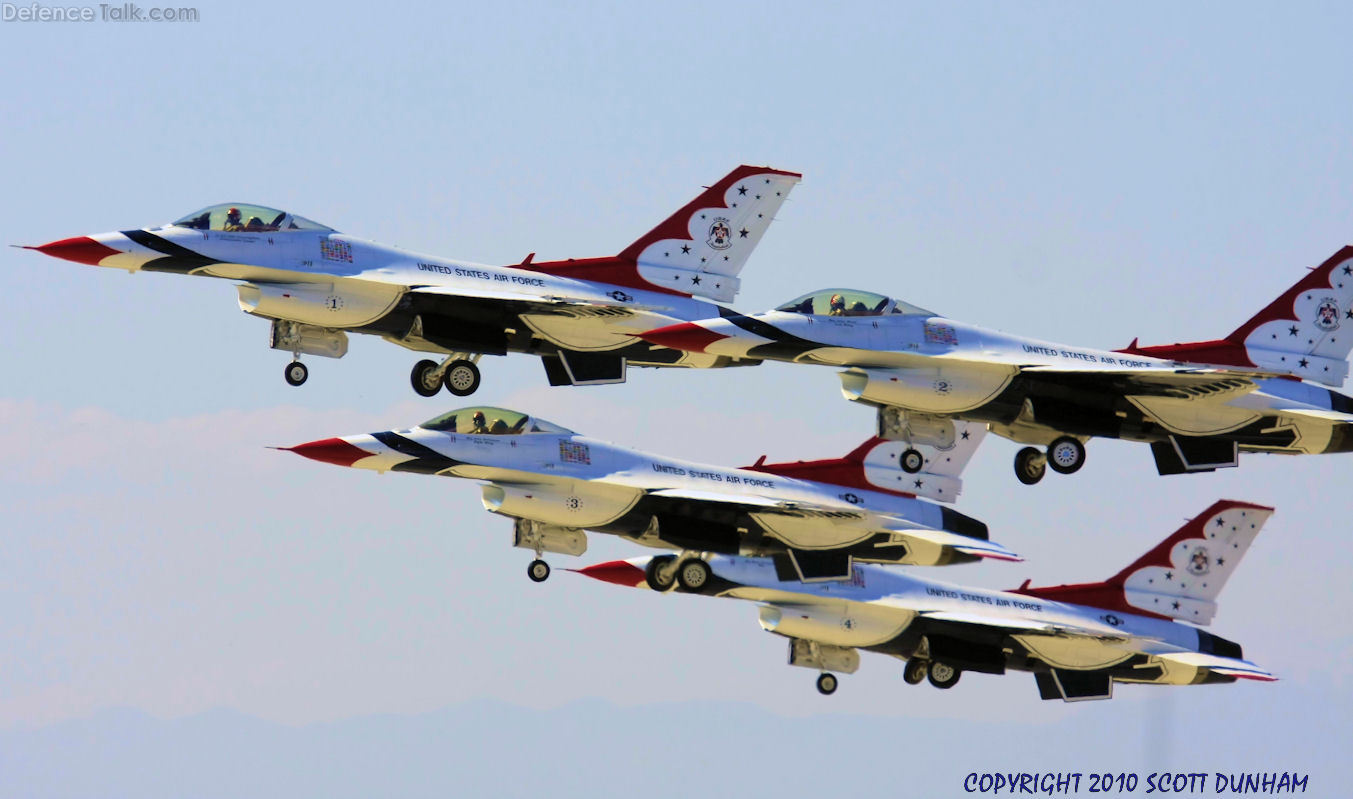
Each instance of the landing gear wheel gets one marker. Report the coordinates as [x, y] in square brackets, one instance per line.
[296, 373]
[657, 573]
[912, 461]
[826, 684]
[424, 379]
[914, 672]
[1030, 465]
[942, 675]
[462, 378]
[1066, 455]
[538, 571]
[693, 574]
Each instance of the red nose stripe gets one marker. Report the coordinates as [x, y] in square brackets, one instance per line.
[686, 336]
[330, 450]
[615, 571]
[81, 249]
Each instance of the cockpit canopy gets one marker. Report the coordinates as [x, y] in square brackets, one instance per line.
[489, 421]
[243, 218]
[849, 302]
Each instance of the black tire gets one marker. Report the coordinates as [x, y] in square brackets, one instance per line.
[1066, 455]
[653, 577]
[826, 684]
[461, 378]
[538, 570]
[911, 461]
[693, 575]
[296, 373]
[942, 675]
[421, 376]
[1030, 466]
[915, 671]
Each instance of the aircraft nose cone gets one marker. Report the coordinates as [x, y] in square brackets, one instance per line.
[686, 336]
[615, 571]
[80, 249]
[330, 450]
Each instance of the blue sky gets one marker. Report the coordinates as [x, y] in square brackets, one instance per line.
[1076, 172]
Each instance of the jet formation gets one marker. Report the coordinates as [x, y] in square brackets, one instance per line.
[817, 545]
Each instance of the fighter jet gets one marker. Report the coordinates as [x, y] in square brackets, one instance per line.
[1078, 640]
[556, 484]
[1198, 405]
[316, 285]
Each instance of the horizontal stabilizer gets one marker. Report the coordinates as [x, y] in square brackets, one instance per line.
[1231, 667]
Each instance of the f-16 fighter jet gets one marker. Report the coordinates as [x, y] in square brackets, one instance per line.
[556, 484]
[316, 285]
[1078, 640]
[1198, 405]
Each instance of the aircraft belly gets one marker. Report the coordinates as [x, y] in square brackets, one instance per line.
[1073, 652]
[328, 303]
[576, 503]
[811, 532]
[582, 333]
[1191, 417]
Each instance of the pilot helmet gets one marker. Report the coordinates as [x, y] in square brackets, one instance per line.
[838, 303]
[478, 418]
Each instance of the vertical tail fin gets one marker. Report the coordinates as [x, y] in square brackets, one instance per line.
[700, 249]
[1181, 576]
[1307, 331]
[875, 465]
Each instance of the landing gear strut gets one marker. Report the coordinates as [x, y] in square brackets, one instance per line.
[458, 373]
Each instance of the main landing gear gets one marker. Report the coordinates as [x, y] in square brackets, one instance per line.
[665, 572]
[941, 675]
[1065, 455]
[457, 372]
[826, 683]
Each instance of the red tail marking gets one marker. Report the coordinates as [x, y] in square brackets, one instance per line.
[847, 471]
[1231, 351]
[1108, 595]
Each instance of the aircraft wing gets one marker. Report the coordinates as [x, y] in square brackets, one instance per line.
[600, 305]
[825, 525]
[1232, 667]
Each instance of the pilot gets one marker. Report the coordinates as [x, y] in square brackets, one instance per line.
[838, 306]
[477, 426]
[232, 220]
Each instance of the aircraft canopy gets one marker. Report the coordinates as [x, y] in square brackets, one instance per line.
[488, 420]
[849, 302]
[245, 218]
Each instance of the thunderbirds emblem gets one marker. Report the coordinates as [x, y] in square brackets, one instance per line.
[720, 234]
[1327, 314]
[1198, 561]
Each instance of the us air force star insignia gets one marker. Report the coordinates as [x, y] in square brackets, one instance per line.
[619, 296]
[1111, 620]
[852, 499]
[1198, 561]
[1327, 314]
[720, 234]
